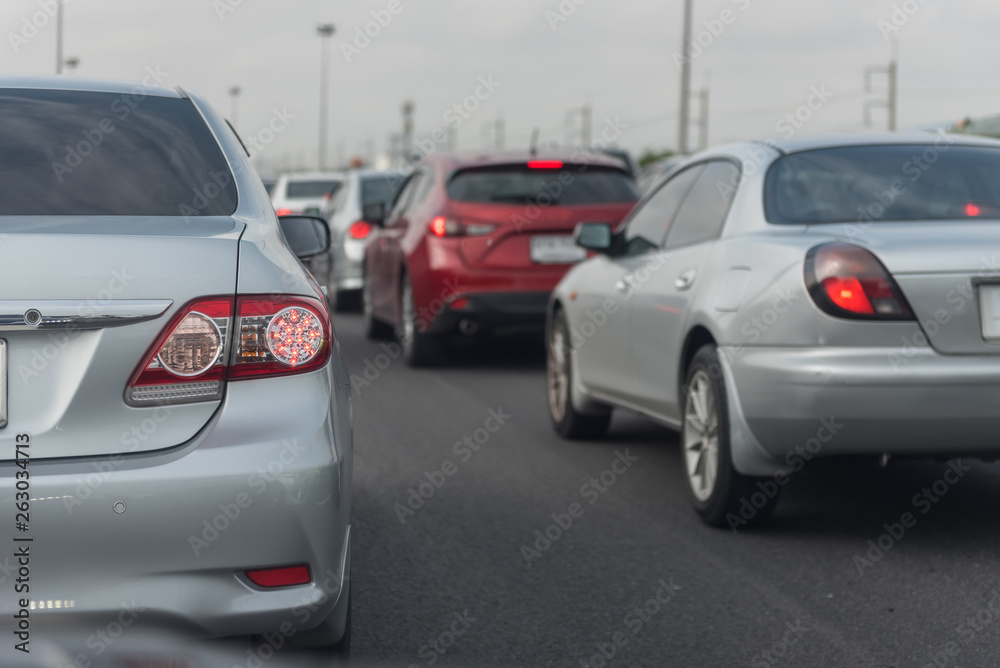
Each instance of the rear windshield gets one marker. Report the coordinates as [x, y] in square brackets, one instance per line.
[884, 183]
[108, 154]
[382, 188]
[311, 189]
[574, 185]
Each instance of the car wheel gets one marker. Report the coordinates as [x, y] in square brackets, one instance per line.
[374, 328]
[419, 348]
[715, 488]
[567, 421]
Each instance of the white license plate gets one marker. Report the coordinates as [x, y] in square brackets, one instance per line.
[989, 309]
[555, 250]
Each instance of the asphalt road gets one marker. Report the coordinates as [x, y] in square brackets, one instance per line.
[452, 583]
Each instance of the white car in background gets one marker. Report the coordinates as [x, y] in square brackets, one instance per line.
[350, 230]
[304, 193]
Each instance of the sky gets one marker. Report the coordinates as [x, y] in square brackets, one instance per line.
[530, 62]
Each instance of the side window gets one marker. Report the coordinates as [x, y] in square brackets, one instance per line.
[403, 197]
[647, 228]
[706, 206]
[424, 188]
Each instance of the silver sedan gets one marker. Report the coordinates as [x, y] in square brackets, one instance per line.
[175, 430]
[778, 302]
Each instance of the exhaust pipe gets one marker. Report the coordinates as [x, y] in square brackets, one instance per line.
[468, 326]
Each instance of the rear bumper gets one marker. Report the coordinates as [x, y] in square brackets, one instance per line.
[255, 489]
[840, 401]
[497, 312]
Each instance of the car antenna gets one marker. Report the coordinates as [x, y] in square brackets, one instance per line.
[533, 149]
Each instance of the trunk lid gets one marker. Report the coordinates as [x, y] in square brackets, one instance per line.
[66, 380]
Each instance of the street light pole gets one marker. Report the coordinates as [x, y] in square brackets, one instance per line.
[234, 93]
[59, 36]
[684, 122]
[325, 31]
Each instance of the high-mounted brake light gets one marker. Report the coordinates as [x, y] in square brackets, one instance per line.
[848, 281]
[545, 164]
[360, 230]
[190, 361]
[288, 576]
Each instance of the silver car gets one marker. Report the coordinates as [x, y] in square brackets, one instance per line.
[778, 302]
[350, 231]
[175, 425]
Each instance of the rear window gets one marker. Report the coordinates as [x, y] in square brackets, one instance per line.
[108, 154]
[575, 185]
[884, 183]
[375, 189]
[311, 189]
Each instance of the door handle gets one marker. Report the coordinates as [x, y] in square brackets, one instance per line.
[686, 279]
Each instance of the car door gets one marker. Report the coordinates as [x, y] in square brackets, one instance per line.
[664, 291]
[380, 269]
[602, 317]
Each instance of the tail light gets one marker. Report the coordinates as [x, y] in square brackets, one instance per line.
[848, 281]
[360, 230]
[284, 212]
[447, 227]
[191, 361]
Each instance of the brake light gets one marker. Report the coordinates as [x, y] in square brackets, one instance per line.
[289, 576]
[284, 212]
[187, 362]
[190, 361]
[280, 336]
[971, 210]
[360, 230]
[445, 227]
[848, 281]
[545, 164]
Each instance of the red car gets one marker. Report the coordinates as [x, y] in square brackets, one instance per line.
[478, 243]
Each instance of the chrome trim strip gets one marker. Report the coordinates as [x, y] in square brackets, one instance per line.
[80, 314]
[3, 383]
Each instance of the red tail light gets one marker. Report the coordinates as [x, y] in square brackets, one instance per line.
[972, 210]
[445, 227]
[360, 230]
[545, 164]
[288, 576]
[848, 281]
[190, 360]
[284, 212]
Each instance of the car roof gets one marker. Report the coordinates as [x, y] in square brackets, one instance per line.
[833, 140]
[59, 82]
[453, 161]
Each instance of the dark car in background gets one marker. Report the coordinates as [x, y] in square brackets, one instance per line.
[477, 243]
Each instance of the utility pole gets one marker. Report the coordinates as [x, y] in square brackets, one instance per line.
[682, 129]
[59, 36]
[891, 103]
[703, 118]
[407, 109]
[234, 94]
[586, 113]
[325, 31]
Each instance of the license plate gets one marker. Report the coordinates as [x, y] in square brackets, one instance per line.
[555, 250]
[989, 309]
[3, 383]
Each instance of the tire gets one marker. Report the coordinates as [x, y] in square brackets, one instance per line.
[419, 348]
[374, 329]
[716, 490]
[567, 421]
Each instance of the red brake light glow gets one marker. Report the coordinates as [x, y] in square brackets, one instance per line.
[971, 210]
[848, 281]
[280, 336]
[545, 164]
[288, 576]
[283, 212]
[360, 230]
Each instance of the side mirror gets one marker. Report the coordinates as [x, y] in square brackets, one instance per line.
[594, 236]
[307, 236]
[374, 213]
